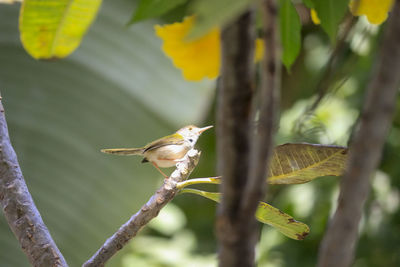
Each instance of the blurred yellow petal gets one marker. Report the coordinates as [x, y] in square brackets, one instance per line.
[314, 17]
[197, 59]
[376, 11]
[259, 50]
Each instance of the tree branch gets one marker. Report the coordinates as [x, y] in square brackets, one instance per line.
[263, 139]
[233, 146]
[19, 209]
[337, 248]
[148, 211]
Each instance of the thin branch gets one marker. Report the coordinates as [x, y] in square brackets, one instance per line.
[337, 248]
[148, 211]
[233, 131]
[19, 209]
[331, 66]
[329, 72]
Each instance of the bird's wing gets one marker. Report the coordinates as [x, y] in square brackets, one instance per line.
[173, 139]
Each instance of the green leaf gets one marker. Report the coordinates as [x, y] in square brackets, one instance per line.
[211, 13]
[331, 13]
[301, 163]
[154, 8]
[308, 3]
[283, 222]
[210, 195]
[267, 214]
[53, 29]
[290, 28]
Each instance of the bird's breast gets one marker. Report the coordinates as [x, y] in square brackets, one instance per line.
[166, 156]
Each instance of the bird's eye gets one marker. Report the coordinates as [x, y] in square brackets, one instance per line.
[190, 140]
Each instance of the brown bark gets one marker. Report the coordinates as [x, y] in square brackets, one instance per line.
[233, 146]
[243, 150]
[337, 248]
[263, 139]
[148, 211]
[19, 209]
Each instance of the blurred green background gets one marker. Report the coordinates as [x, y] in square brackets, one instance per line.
[118, 89]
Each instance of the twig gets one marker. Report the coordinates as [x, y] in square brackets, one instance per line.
[337, 248]
[325, 80]
[328, 74]
[148, 211]
[233, 132]
[19, 209]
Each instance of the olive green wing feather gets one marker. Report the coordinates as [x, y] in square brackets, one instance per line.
[173, 139]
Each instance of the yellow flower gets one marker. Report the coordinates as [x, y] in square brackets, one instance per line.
[314, 17]
[198, 58]
[376, 11]
[259, 50]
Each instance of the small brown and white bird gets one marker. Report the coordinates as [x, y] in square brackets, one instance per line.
[166, 151]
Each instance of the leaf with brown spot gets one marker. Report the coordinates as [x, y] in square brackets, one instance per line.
[281, 221]
[301, 163]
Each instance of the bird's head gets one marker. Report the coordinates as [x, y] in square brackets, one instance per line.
[191, 133]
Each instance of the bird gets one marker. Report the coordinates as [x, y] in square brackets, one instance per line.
[166, 151]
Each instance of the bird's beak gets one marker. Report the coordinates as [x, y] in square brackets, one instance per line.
[205, 128]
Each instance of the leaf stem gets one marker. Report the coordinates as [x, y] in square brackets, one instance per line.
[209, 180]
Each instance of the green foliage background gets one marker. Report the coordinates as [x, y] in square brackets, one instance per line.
[118, 89]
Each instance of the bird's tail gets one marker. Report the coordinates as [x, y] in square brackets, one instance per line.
[124, 151]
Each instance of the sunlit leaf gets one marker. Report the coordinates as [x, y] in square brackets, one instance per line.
[301, 163]
[54, 28]
[153, 8]
[330, 13]
[267, 214]
[290, 28]
[211, 13]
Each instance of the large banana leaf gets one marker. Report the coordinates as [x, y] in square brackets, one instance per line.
[117, 89]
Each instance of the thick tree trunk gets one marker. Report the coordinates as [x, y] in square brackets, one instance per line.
[233, 143]
[243, 149]
[337, 248]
